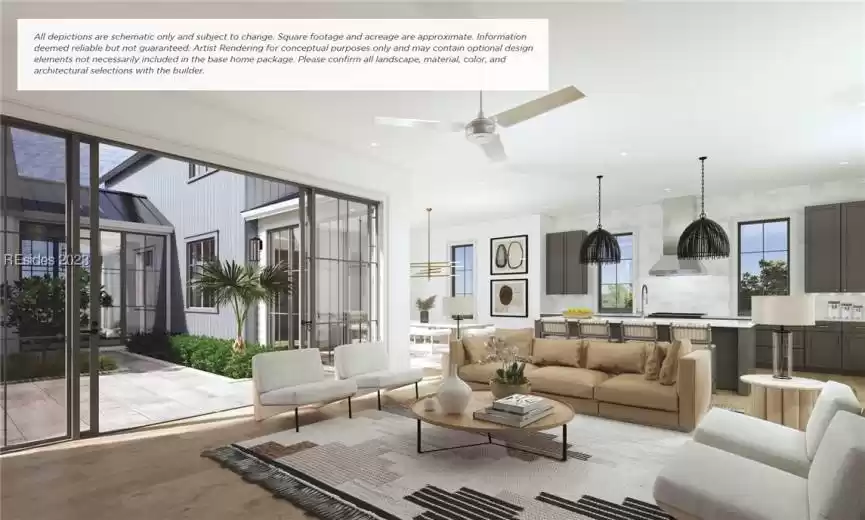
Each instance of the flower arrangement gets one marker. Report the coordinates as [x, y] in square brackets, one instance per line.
[512, 371]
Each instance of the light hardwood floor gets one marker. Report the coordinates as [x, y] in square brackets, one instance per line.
[157, 473]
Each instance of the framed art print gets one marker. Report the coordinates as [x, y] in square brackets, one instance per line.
[509, 255]
[509, 298]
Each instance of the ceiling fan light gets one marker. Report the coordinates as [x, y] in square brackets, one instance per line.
[600, 247]
[703, 239]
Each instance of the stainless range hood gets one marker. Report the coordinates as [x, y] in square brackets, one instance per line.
[677, 213]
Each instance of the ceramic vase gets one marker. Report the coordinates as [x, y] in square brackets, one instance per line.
[424, 316]
[454, 394]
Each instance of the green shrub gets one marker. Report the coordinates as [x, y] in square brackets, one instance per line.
[214, 355]
[24, 366]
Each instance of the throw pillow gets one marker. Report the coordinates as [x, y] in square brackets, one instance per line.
[670, 367]
[476, 348]
[654, 362]
[556, 352]
[616, 358]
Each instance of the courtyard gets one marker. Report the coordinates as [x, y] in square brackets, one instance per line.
[141, 391]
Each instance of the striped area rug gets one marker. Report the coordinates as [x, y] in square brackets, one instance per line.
[368, 468]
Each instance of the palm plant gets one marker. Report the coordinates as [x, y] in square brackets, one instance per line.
[241, 286]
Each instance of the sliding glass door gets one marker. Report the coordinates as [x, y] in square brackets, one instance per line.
[50, 305]
[343, 271]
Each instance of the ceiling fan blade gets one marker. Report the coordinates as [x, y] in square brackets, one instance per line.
[420, 123]
[538, 106]
[495, 150]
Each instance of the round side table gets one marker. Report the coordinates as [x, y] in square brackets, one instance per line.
[782, 401]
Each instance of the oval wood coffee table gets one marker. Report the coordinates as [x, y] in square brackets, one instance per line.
[561, 416]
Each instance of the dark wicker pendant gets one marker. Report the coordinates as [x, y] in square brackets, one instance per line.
[600, 247]
[703, 238]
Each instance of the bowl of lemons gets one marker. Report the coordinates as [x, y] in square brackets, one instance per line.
[577, 312]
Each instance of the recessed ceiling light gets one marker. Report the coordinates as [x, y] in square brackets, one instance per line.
[844, 163]
[373, 144]
[624, 154]
[668, 190]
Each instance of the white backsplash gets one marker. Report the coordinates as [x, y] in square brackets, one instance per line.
[704, 294]
[821, 302]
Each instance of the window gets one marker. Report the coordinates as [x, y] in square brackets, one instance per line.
[199, 252]
[764, 260]
[463, 280]
[197, 171]
[615, 281]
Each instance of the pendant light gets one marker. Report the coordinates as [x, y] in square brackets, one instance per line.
[430, 269]
[703, 238]
[600, 247]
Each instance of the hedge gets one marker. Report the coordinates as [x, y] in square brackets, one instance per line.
[213, 355]
[26, 366]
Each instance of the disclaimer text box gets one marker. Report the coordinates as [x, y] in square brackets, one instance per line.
[291, 54]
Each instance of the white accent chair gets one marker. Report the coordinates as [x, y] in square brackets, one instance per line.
[366, 365]
[288, 379]
[704, 483]
[778, 446]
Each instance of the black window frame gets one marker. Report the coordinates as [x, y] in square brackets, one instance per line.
[199, 171]
[462, 269]
[203, 302]
[601, 284]
[739, 253]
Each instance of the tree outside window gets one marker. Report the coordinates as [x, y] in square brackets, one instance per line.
[615, 281]
[764, 260]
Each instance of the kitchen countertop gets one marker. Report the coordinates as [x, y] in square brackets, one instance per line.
[718, 322]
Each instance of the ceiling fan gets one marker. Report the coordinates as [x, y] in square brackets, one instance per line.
[482, 130]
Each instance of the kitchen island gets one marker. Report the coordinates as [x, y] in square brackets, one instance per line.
[734, 339]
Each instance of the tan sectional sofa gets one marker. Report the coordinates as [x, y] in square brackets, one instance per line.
[602, 378]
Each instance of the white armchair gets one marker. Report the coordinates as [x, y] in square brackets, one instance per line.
[778, 446]
[288, 379]
[705, 483]
[367, 366]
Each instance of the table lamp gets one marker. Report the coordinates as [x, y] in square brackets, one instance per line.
[459, 308]
[782, 311]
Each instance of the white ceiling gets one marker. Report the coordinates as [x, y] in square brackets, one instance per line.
[773, 93]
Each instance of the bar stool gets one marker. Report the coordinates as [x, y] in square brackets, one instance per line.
[700, 336]
[554, 329]
[639, 331]
[599, 329]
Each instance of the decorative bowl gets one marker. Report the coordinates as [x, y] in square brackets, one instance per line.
[501, 390]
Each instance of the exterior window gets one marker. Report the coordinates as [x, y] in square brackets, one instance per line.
[764, 260]
[616, 281]
[463, 280]
[198, 252]
[196, 171]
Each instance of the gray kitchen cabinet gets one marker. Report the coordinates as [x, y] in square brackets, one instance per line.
[823, 248]
[854, 348]
[565, 273]
[555, 263]
[853, 247]
[824, 349]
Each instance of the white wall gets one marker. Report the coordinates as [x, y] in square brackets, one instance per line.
[479, 234]
[714, 294]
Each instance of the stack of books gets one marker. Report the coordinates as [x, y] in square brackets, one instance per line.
[517, 410]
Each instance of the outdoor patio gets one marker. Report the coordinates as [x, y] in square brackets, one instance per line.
[140, 392]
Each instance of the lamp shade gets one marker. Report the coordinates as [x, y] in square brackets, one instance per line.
[783, 310]
[459, 306]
